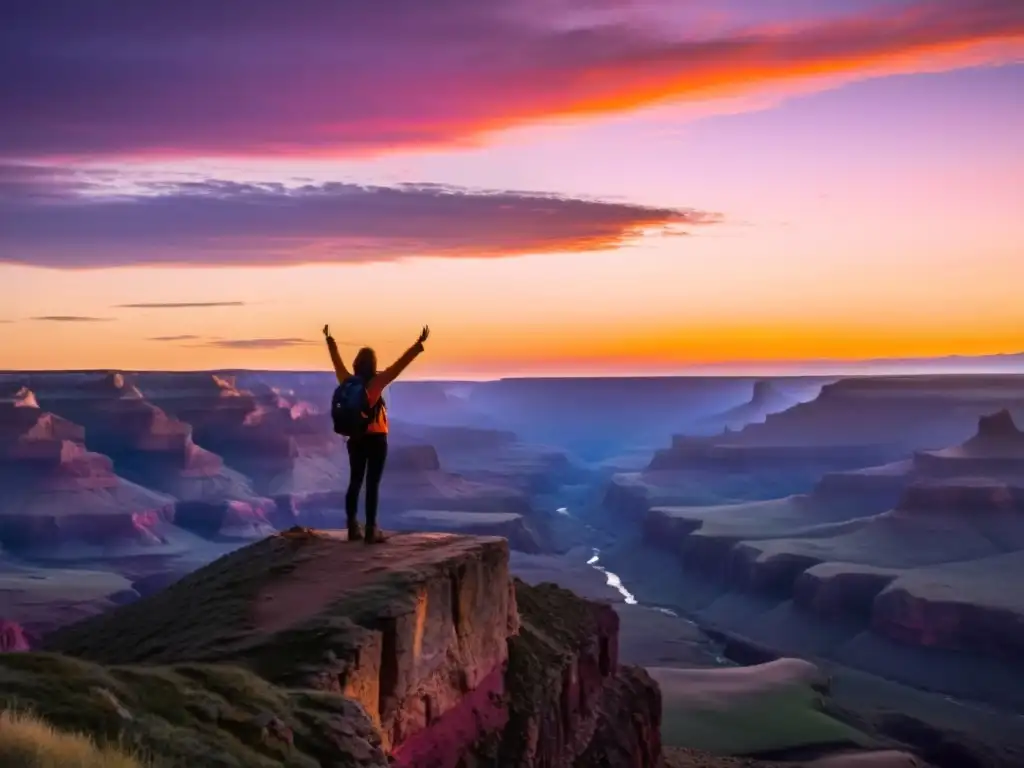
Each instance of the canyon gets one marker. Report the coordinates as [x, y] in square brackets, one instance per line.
[872, 526]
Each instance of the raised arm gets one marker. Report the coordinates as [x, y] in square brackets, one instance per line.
[393, 371]
[339, 365]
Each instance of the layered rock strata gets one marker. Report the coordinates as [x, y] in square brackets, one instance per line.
[417, 647]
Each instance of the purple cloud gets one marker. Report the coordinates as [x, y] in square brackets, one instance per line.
[191, 77]
[256, 343]
[181, 304]
[182, 337]
[72, 319]
[223, 223]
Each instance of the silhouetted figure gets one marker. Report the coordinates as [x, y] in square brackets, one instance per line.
[368, 442]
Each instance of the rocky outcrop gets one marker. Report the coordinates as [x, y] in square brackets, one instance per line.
[55, 493]
[963, 606]
[17, 395]
[841, 590]
[904, 412]
[210, 402]
[417, 646]
[262, 434]
[765, 399]
[995, 451]
[570, 703]
[410, 638]
[147, 445]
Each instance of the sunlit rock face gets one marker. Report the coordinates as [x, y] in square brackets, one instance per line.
[419, 647]
[146, 444]
[262, 433]
[55, 492]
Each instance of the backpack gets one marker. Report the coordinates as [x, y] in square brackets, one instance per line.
[350, 407]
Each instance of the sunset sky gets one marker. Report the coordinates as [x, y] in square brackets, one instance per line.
[555, 186]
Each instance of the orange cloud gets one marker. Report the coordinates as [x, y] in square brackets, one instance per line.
[354, 78]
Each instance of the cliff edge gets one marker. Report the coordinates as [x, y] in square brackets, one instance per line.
[305, 649]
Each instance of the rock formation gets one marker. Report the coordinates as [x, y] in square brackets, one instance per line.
[996, 450]
[964, 606]
[54, 493]
[17, 395]
[263, 434]
[765, 399]
[422, 638]
[147, 445]
[907, 412]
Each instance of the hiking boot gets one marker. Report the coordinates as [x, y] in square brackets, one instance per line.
[355, 530]
[374, 535]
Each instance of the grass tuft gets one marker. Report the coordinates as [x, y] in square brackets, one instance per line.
[28, 741]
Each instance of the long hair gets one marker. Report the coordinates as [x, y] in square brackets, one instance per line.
[365, 364]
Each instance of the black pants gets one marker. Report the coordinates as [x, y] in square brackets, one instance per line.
[366, 457]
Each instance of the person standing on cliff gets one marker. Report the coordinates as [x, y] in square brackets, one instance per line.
[368, 450]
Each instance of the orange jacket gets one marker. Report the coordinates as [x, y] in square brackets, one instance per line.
[376, 385]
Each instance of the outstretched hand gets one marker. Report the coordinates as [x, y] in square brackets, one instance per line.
[424, 335]
[327, 333]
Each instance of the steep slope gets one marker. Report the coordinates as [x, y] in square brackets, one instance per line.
[416, 646]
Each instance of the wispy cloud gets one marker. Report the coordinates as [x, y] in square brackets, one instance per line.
[182, 337]
[223, 223]
[356, 77]
[257, 343]
[72, 319]
[181, 304]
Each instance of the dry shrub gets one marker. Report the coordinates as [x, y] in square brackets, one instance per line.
[27, 741]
